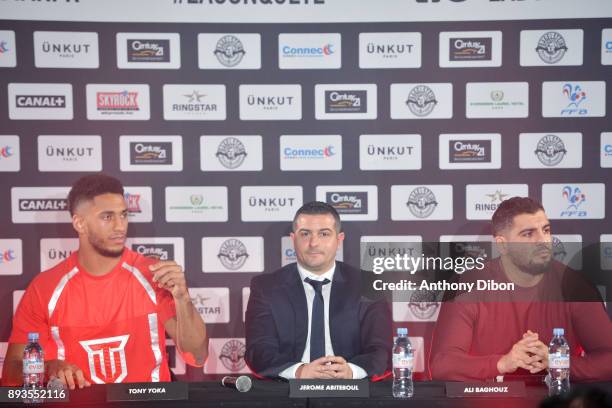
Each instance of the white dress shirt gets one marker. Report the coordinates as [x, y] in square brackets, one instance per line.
[289, 372]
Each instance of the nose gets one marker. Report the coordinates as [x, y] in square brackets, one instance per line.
[120, 224]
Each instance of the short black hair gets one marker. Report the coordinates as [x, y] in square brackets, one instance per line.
[510, 208]
[90, 186]
[316, 208]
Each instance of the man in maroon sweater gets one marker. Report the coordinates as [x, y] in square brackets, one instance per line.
[480, 335]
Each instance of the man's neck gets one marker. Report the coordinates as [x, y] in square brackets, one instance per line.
[516, 275]
[319, 271]
[94, 263]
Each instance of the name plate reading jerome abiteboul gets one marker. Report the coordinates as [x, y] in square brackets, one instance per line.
[489, 389]
[329, 388]
[147, 391]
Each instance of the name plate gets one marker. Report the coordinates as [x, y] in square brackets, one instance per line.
[147, 391]
[329, 388]
[486, 389]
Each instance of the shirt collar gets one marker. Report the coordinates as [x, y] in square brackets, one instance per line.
[329, 274]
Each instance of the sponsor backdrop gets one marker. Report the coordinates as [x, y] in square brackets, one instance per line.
[414, 130]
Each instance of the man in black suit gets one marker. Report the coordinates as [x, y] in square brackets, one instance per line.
[309, 319]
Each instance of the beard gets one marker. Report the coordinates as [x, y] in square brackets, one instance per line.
[97, 245]
[529, 261]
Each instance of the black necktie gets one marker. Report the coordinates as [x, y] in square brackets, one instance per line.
[317, 326]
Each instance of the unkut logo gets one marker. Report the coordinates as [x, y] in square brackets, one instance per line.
[107, 363]
[576, 96]
[574, 197]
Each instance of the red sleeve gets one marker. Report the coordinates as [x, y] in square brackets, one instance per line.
[593, 330]
[450, 359]
[31, 316]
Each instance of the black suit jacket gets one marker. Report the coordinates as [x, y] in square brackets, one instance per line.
[277, 322]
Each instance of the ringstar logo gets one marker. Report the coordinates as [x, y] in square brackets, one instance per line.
[232, 355]
[494, 200]
[321, 51]
[133, 203]
[551, 47]
[7, 255]
[194, 104]
[576, 95]
[6, 152]
[422, 202]
[117, 101]
[233, 254]
[231, 153]
[574, 198]
[229, 51]
[40, 101]
[550, 150]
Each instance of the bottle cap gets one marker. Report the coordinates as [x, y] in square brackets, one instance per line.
[558, 331]
[32, 336]
[402, 331]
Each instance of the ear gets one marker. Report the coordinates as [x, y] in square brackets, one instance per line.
[78, 223]
[502, 244]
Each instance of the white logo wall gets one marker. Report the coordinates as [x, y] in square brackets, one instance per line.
[225, 134]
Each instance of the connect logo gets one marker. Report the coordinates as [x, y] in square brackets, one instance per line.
[3, 47]
[7, 255]
[327, 49]
[293, 153]
[6, 152]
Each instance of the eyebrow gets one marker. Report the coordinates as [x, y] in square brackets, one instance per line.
[533, 229]
[307, 230]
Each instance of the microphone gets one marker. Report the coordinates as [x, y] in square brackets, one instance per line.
[241, 383]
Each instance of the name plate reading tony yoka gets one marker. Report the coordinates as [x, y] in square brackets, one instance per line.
[486, 389]
[329, 388]
[147, 391]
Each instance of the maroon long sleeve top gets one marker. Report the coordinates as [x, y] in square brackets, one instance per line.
[476, 329]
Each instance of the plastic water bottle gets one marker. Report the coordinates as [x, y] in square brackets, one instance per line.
[33, 368]
[558, 364]
[403, 362]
